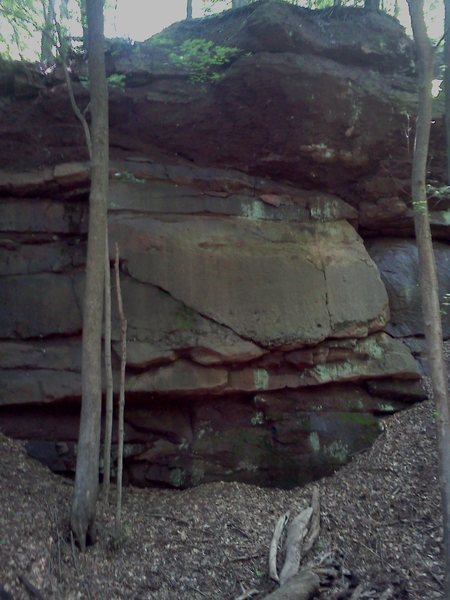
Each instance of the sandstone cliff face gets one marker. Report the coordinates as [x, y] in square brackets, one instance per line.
[259, 341]
[255, 325]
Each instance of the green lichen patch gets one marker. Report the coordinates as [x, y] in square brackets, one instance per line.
[360, 419]
[337, 451]
[257, 418]
[314, 441]
[261, 379]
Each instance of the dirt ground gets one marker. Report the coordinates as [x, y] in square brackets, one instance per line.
[380, 530]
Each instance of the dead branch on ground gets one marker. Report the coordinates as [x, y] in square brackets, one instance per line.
[296, 584]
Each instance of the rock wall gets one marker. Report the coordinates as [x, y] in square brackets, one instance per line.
[263, 344]
[255, 326]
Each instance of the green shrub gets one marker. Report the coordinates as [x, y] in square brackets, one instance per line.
[203, 59]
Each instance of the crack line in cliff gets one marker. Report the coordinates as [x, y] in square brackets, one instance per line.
[201, 314]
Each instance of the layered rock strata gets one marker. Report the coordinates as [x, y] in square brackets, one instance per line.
[255, 327]
[261, 346]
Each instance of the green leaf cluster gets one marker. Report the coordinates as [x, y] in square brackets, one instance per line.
[203, 59]
[19, 20]
[116, 80]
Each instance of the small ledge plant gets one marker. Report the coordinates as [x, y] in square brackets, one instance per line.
[203, 59]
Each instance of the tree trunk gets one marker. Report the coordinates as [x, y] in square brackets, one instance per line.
[64, 9]
[372, 4]
[123, 364]
[47, 31]
[84, 25]
[447, 82]
[427, 267]
[239, 3]
[109, 380]
[86, 477]
[189, 9]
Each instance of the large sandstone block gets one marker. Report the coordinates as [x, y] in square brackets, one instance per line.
[161, 328]
[274, 283]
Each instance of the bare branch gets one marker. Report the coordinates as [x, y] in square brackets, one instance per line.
[279, 528]
[80, 116]
[302, 586]
[314, 526]
[295, 536]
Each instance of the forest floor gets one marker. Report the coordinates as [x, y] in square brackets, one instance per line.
[380, 531]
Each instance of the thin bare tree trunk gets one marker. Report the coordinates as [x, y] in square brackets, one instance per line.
[447, 82]
[84, 25]
[109, 381]
[427, 267]
[189, 9]
[123, 364]
[85, 494]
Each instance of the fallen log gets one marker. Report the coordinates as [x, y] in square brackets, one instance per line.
[296, 534]
[279, 528]
[299, 587]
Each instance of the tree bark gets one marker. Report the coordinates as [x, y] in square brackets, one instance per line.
[447, 82]
[109, 380]
[427, 267]
[123, 364]
[86, 477]
[300, 587]
[372, 4]
[84, 25]
[48, 8]
[239, 3]
[189, 9]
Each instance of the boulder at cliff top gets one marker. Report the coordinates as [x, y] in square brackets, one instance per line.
[271, 108]
[318, 98]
